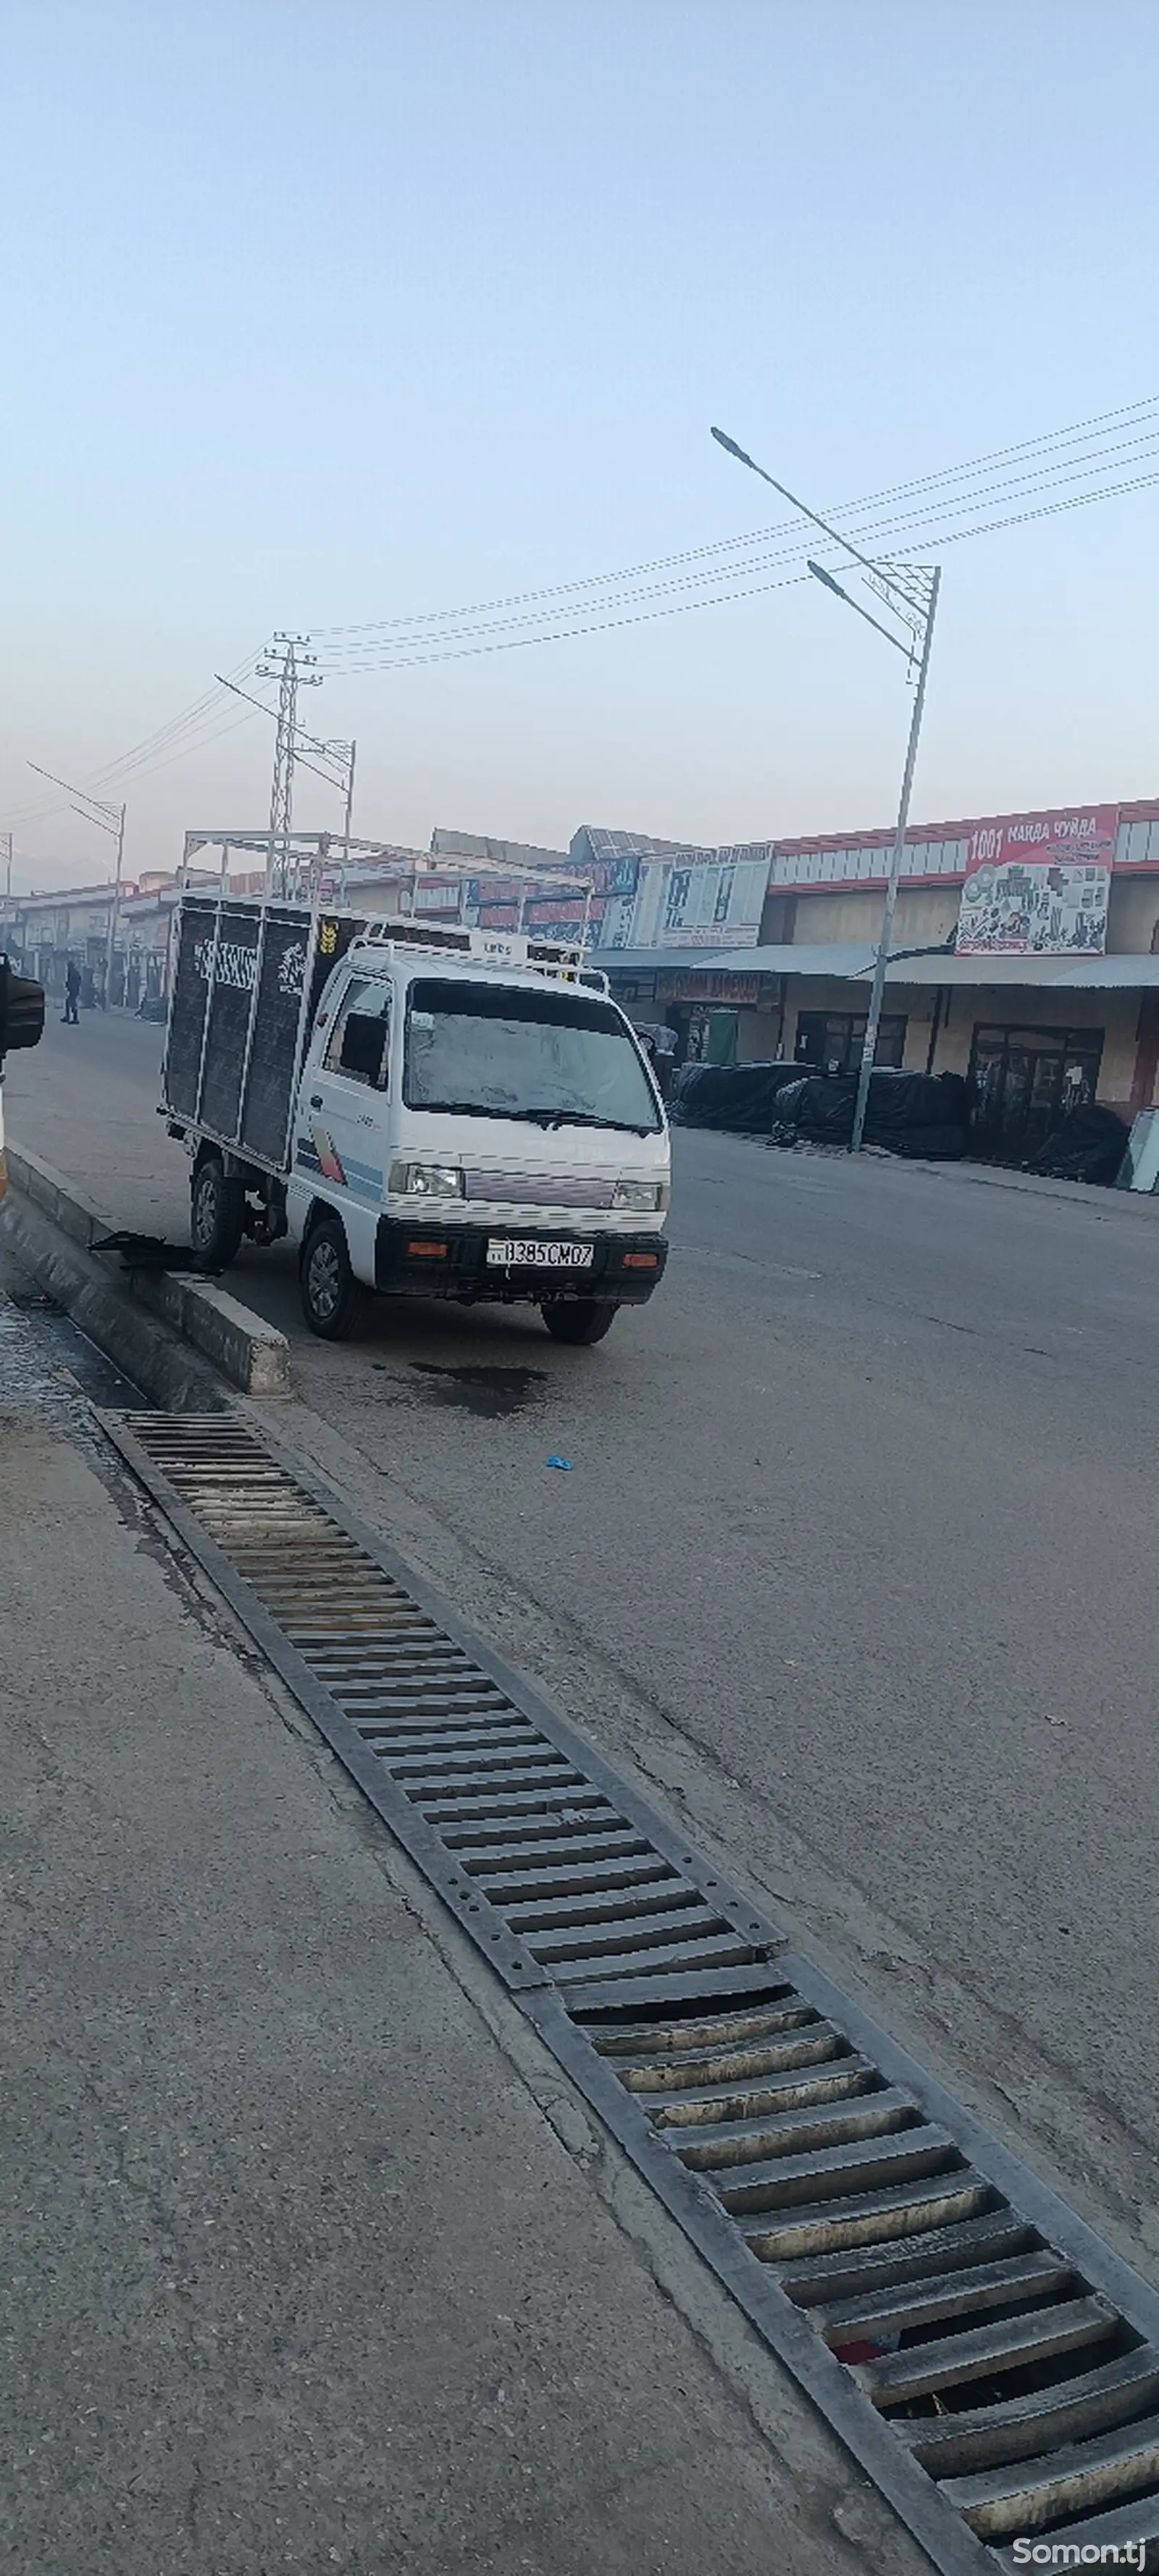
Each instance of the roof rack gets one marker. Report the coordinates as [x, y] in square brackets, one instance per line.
[486, 948]
[389, 932]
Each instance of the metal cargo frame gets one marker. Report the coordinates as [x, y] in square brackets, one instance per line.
[294, 948]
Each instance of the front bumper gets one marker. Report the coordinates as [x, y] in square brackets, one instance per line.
[427, 1260]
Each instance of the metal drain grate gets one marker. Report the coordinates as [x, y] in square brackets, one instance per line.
[1003, 2352]
[545, 1856]
[991, 2363]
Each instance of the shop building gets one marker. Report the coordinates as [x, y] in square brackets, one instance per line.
[1020, 958]
[45, 931]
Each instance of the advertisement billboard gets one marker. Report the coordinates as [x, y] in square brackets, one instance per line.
[694, 899]
[507, 903]
[1038, 885]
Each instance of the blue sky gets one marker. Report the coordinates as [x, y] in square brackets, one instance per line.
[324, 311]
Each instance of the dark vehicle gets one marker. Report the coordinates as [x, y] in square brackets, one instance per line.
[21, 1025]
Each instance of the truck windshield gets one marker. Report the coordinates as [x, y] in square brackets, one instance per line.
[496, 1051]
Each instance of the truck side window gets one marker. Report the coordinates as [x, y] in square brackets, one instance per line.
[360, 1038]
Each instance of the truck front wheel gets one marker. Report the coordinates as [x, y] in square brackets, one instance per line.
[216, 1215]
[333, 1301]
[578, 1319]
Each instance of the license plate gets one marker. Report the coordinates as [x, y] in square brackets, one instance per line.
[510, 1252]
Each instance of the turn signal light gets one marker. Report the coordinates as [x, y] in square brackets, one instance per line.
[427, 1251]
[641, 1261]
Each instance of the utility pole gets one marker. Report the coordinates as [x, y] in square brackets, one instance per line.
[114, 913]
[347, 817]
[288, 662]
[341, 756]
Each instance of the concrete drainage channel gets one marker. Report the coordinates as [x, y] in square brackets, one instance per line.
[992, 2364]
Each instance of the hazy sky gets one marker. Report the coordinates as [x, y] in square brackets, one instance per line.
[325, 311]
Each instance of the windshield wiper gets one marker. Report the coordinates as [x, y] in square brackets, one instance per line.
[545, 1118]
[549, 1118]
[587, 1118]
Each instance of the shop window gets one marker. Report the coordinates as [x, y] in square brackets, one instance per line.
[778, 920]
[1023, 1082]
[831, 1041]
[679, 884]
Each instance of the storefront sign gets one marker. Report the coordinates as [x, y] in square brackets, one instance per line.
[1038, 885]
[699, 985]
[439, 895]
[695, 899]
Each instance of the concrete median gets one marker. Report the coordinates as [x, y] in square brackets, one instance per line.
[149, 1321]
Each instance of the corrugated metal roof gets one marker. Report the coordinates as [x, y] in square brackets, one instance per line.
[1069, 974]
[834, 957]
[993, 971]
[683, 961]
[847, 962]
[640, 961]
[1109, 974]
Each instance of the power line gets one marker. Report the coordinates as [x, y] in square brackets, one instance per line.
[976, 469]
[192, 720]
[174, 723]
[925, 525]
[1030, 472]
[447, 651]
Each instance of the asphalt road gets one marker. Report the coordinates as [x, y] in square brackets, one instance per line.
[864, 1506]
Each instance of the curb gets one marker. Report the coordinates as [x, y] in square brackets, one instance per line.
[52, 1228]
[1099, 1195]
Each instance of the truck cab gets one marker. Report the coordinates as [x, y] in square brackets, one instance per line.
[477, 1124]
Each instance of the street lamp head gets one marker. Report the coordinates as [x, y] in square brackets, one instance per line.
[819, 574]
[723, 440]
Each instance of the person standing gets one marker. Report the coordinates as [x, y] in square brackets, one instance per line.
[72, 995]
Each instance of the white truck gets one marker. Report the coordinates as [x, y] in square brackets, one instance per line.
[425, 1112]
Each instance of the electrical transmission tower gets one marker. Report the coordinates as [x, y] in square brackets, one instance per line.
[288, 662]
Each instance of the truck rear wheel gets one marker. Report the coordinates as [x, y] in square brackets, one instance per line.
[216, 1214]
[333, 1300]
[578, 1319]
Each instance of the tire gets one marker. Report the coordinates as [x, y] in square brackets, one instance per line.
[333, 1300]
[216, 1214]
[578, 1319]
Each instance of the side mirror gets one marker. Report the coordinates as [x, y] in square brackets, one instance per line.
[21, 1010]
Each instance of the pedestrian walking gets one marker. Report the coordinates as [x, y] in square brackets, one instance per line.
[72, 995]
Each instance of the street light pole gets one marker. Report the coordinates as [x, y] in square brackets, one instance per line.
[881, 961]
[110, 819]
[910, 592]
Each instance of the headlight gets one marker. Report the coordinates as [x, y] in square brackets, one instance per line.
[643, 1195]
[427, 1181]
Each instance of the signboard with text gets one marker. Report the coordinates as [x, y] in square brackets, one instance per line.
[694, 899]
[1038, 885]
[703, 984]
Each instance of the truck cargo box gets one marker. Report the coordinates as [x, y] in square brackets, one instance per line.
[247, 980]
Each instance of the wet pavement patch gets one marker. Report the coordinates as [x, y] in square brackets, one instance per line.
[488, 1392]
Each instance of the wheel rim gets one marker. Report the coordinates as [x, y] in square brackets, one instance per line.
[205, 1210]
[324, 1281]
